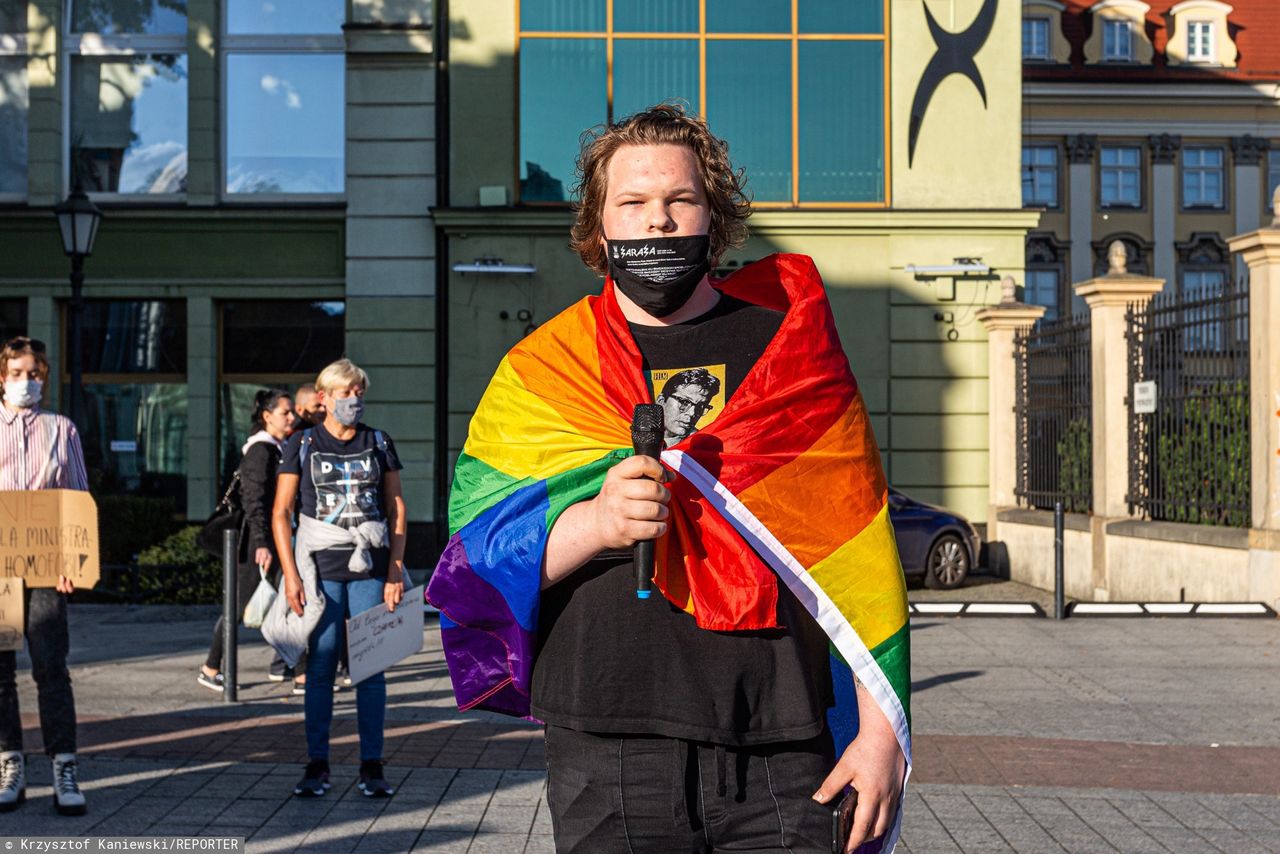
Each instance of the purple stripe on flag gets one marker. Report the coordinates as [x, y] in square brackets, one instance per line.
[490, 656]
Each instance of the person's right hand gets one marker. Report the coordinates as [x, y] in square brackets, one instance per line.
[293, 593]
[262, 557]
[632, 503]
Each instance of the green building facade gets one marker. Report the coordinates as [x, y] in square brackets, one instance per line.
[266, 172]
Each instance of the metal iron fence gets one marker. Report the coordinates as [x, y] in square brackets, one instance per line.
[1054, 413]
[1189, 432]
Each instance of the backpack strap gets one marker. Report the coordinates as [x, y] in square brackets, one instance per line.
[381, 440]
[304, 449]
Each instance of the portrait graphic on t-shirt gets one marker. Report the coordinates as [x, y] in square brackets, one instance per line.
[347, 487]
[690, 399]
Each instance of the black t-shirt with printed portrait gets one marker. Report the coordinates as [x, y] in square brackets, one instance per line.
[608, 662]
[342, 484]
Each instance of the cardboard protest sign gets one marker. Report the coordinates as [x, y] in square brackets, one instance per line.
[46, 533]
[377, 639]
[12, 625]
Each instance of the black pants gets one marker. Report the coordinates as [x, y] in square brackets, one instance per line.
[48, 643]
[635, 795]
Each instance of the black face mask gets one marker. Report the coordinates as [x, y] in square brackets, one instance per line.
[659, 274]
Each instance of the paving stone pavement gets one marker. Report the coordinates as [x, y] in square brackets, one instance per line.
[1030, 736]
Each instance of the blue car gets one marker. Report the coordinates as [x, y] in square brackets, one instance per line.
[933, 542]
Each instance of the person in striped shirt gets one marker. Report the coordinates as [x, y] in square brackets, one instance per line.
[38, 450]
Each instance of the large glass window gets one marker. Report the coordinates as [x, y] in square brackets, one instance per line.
[133, 358]
[1203, 177]
[818, 74]
[14, 100]
[285, 79]
[1040, 176]
[128, 96]
[269, 344]
[13, 318]
[1120, 181]
[1204, 313]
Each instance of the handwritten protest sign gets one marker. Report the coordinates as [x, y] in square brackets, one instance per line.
[12, 626]
[377, 639]
[46, 533]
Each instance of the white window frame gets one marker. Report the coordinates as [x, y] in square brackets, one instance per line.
[1211, 41]
[11, 45]
[123, 44]
[1102, 168]
[1033, 21]
[1198, 170]
[1057, 176]
[273, 44]
[1109, 41]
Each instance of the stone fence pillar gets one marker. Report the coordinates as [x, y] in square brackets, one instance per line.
[1261, 252]
[1003, 322]
[1108, 297]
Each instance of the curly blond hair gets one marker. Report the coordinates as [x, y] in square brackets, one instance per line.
[665, 124]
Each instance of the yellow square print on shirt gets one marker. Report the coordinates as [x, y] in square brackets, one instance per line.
[690, 398]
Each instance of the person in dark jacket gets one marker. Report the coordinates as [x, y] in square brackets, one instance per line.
[273, 421]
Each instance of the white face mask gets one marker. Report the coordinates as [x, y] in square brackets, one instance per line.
[23, 394]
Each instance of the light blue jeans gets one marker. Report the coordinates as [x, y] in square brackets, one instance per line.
[342, 598]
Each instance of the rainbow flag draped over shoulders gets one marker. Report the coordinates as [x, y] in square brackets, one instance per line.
[789, 467]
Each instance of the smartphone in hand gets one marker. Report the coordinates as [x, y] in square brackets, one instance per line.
[842, 820]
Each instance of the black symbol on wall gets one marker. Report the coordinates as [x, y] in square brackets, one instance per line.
[955, 55]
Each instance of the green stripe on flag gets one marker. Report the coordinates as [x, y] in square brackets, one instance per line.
[894, 657]
[483, 484]
[579, 484]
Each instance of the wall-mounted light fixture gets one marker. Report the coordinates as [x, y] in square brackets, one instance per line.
[490, 264]
[961, 267]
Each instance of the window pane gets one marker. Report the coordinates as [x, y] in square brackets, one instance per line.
[841, 16]
[748, 16]
[841, 121]
[745, 81]
[297, 17]
[651, 71]
[134, 337]
[281, 336]
[135, 439]
[562, 93]
[14, 104]
[13, 318]
[149, 17]
[655, 16]
[13, 16]
[129, 123]
[285, 123]
[563, 15]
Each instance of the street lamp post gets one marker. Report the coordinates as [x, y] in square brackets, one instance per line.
[78, 220]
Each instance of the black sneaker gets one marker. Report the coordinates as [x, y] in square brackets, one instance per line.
[373, 783]
[315, 780]
[213, 683]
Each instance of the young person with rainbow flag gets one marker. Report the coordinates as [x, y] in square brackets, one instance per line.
[732, 711]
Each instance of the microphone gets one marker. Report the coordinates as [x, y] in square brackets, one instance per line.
[646, 438]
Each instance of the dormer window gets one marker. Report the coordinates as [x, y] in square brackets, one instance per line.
[1200, 41]
[1117, 41]
[1199, 33]
[1120, 33]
